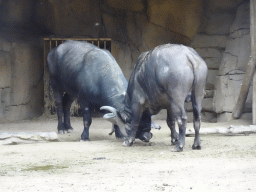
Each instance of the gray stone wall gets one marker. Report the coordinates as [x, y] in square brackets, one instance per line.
[21, 80]
[233, 65]
[224, 43]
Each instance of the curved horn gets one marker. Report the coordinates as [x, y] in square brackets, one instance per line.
[114, 118]
[111, 109]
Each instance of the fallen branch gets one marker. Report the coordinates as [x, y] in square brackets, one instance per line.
[232, 130]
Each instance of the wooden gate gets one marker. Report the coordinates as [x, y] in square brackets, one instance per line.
[49, 44]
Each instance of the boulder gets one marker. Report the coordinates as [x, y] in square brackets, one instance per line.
[227, 92]
[236, 55]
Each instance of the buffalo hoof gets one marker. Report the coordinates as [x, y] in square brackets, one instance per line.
[177, 148]
[196, 147]
[145, 137]
[61, 132]
[70, 130]
[83, 140]
[174, 141]
[128, 143]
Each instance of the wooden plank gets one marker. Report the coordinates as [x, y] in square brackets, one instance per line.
[253, 54]
[232, 130]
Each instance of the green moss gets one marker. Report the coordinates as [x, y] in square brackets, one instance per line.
[45, 168]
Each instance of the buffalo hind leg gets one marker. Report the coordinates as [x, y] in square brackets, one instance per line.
[67, 101]
[196, 103]
[87, 120]
[59, 109]
[171, 124]
[182, 123]
[58, 94]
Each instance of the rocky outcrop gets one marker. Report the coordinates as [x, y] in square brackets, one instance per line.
[21, 80]
[233, 64]
[224, 43]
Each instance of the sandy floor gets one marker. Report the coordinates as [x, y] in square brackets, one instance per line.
[225, 163]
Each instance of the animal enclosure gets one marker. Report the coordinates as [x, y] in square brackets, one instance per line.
[49, 44]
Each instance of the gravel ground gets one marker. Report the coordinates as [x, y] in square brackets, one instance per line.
[225, 163]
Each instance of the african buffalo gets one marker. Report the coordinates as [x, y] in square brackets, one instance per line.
[82, 71]
[162, 79]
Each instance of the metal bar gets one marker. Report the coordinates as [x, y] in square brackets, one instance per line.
[98, 43]
[50, 42]
[77, 38]
[105, 44]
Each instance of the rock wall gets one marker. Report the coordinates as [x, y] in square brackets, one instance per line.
[233, 65]
[133, 26]
[224, 44]
[21, 80]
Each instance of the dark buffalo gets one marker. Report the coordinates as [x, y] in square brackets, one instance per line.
[82, 71]
[163, 79]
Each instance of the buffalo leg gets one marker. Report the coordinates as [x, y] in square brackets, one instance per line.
[171, 124]
[59, 105]
[67, 101]
[118, 133]
[136, 117]
[87, 120]
[143, 132]
[181, 117]
[59, 108]
[197, 106]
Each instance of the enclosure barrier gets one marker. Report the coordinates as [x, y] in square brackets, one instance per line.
[49, 44]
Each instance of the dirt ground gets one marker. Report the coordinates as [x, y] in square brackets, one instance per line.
[225, 163]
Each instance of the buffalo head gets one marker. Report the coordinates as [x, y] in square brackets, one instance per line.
[122, 121]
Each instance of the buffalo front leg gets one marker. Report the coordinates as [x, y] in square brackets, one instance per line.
[136, 117]
[143, 132]
[87, 120]
[67, 101]
[171, 124]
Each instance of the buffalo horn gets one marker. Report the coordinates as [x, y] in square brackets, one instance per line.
[111, 109]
